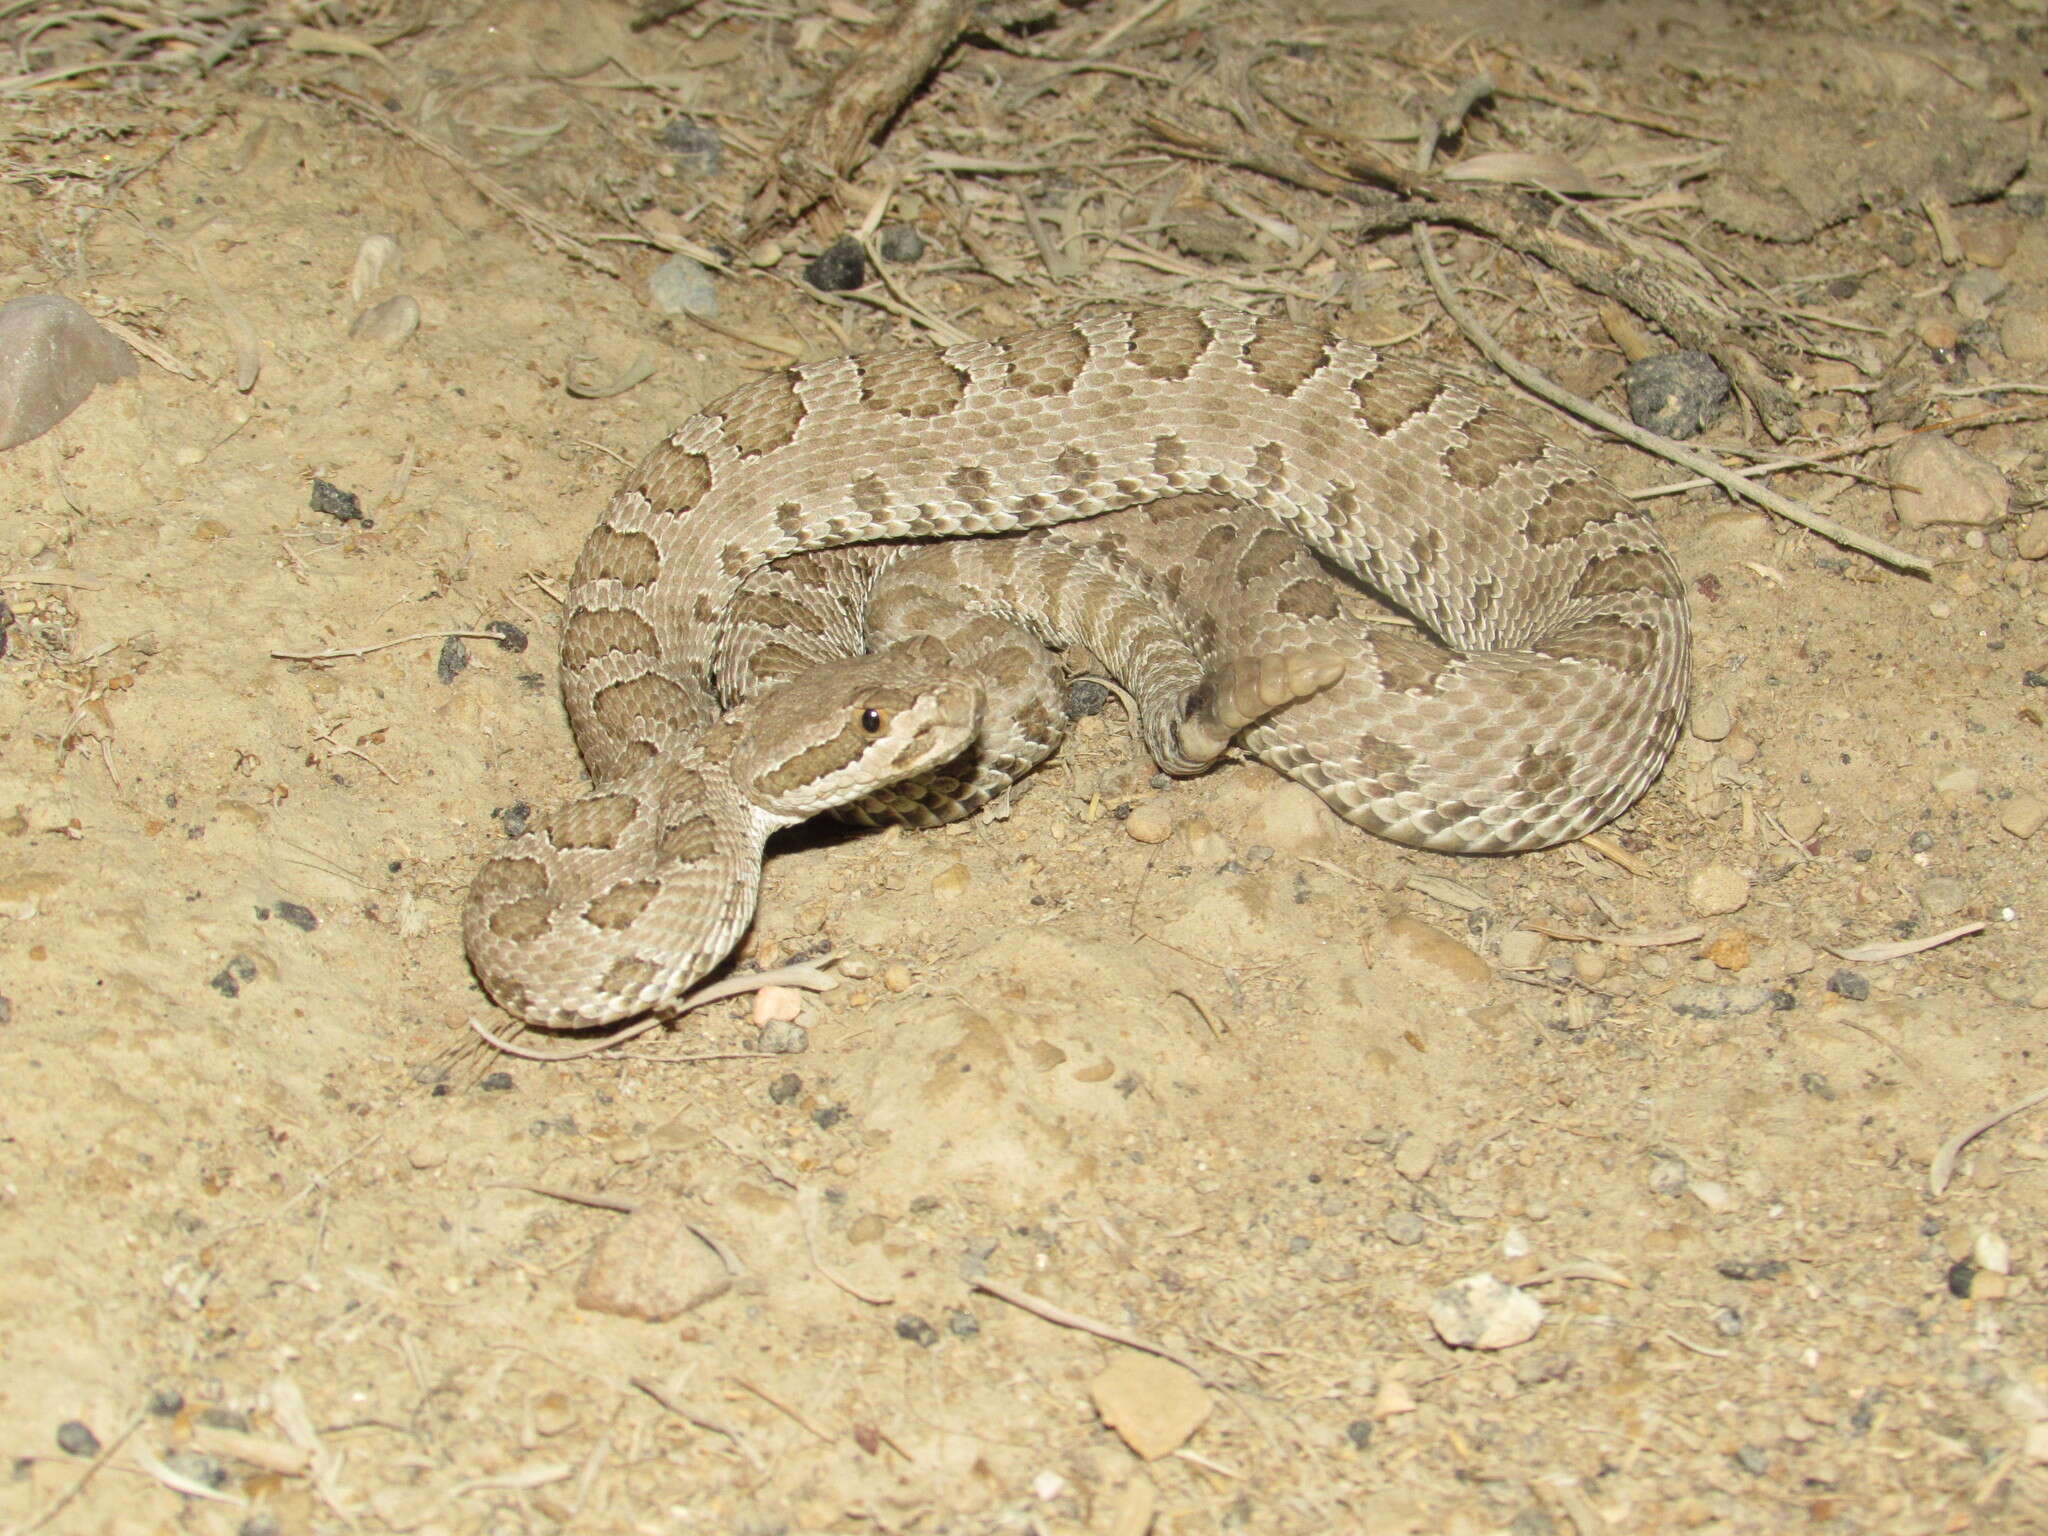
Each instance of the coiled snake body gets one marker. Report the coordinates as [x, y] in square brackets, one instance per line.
[1541, 693]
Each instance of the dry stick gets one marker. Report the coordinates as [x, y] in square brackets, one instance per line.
[1663, 447]
[1945, 1160]
[1597, 268]
[813, 977]
[1039, 1307]
[836, 132]
[702, 1421]
[106, 1455]
[348, 653]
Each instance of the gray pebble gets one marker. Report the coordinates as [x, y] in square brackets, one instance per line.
[914, 1328]
[898, 243]
[453, 661]
[1849, 984]
[1976, 291]
[1675, 393]
[1403, 1228]
[698, 149]
[962, 1324]
[785, 1088]
[75, 1438]
[783, 1037]
[681, 286]
[840, 268]
[343, 506]
[299, 917]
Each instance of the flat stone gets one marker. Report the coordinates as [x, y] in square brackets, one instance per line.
[1153, 1404]
[1433, 957]
[1717, 890]
[1293, 819]
[1480, 1312]
[1936, 484]
[2023, 815]
[653, 1267]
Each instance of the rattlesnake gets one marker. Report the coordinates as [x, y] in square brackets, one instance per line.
[1551, 701]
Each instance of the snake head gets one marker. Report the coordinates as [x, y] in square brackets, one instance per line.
[848, 728]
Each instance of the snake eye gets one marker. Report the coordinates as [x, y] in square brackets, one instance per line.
[872, 721]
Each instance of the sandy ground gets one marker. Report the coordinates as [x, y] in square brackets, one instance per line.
[1252, 1095]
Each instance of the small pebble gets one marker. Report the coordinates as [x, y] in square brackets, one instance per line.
[2024, 815]
[1850, 984]
[1717, 890]
[1153, 1404]
[1521, 949]
[783, 1038]
[1149, 822]
[1959, 782]
[1710, 720]
[919, 1332]
[1404, 1229]
[1936, 483]
[1415, 1157]
[1992, 1252]
[897, 978]
[697, 147]
[1937, 334]
[427, 1155]
[1675, 393]
[342, 506]
[898, 243]
[387, 323]
[299, 917]
[840, 268]
[777, 1005]
[1589, 966]
[785, 1088]
[962, 1324]
[1943, 897]
[497, 1082]
[510, 636]
[1989, 242]
[1975, 292]
[949, 882]
[2030, 539]
[1480, 1312]
[1294, 819]
[1711, 1194]
[2023, 334]
[680, 286]
[651, 1266]
[453, 660]
[378, 260]
[75, 1438]
[1802, 820]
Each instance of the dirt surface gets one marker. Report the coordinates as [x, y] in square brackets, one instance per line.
[1251, 1095]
